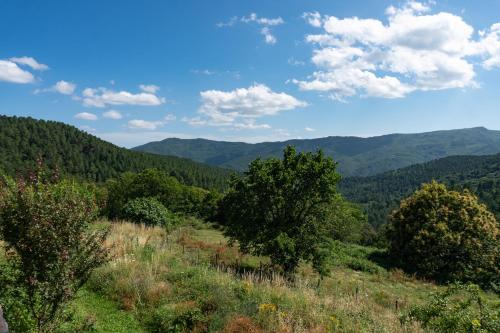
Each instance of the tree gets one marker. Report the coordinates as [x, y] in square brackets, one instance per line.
[446, 236]
[52, 247]
[275, 209]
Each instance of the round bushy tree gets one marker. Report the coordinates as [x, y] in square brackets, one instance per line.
[278, 207]
[446, 236]
[148, 211]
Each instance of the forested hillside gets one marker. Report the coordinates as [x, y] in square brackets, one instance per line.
[356, 156]
[75, 153]
[381, 193]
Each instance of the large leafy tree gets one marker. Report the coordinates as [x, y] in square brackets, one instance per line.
[277, 207]
[446, 236]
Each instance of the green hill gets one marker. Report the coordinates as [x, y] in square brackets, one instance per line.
[356, 156]
[76, 153]
[381, 193]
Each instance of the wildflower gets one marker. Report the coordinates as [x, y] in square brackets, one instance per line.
[267, 307]
[476, 323]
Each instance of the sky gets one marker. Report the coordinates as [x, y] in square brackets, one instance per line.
[132, 72]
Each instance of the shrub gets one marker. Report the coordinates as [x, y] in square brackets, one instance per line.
[52, 250]
[446, 236]
[148, 211]
[177, 318]
[158, 184]
[459, 309]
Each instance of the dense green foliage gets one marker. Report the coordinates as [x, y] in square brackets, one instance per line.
[148, 211]
[285, 209]
[446, 236]
[380, 194]
[154, 183]
[52, 251]
[356, 156]
[458, 309]
[75, 153]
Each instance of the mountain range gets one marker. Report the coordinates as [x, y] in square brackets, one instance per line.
[356, 156]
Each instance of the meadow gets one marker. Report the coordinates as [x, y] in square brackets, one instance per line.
[190, 279]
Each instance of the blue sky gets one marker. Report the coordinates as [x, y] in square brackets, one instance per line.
[136, 71]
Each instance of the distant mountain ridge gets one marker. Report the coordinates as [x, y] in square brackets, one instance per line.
[356, 156]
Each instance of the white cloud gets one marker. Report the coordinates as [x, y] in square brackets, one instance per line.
[268, 36]
[112, 114]
[309, 129]
[250, 125]
[150, 125]
[144, 124]
[232, 21]
[11, 72]
[414, 50]
[62, 87]
[31, 62]
[149, 88]
[262, 20]
[240, 107]
[489, 46]
[101, 97]
[313, 18]
[86, 116]
[65, 88]
[169, 117]
[253, 18]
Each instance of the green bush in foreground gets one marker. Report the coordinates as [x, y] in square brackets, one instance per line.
[50, 250]
[459, 309]
[446, 236]
[148, 211]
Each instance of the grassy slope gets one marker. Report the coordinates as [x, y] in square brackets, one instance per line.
[158, 282]
[163, 281]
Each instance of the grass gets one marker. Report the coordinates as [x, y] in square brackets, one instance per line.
[190, 280]
[171, 283]
[96, 313]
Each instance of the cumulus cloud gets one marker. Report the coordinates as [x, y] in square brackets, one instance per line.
[86, 116]
[149, 88]
[101, 97]
[253, 18]
[414, 50]
[64, 87]
[144, 124]
[240, 107]
[150, 125]
[31, 62]
[11, 72]
[112, 114]
[61, 87]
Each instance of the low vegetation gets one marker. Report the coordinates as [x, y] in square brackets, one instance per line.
[279, 252]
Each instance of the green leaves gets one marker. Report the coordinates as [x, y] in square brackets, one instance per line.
[149, 211]
[47, 228]
[278, 208]
[446, 236]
